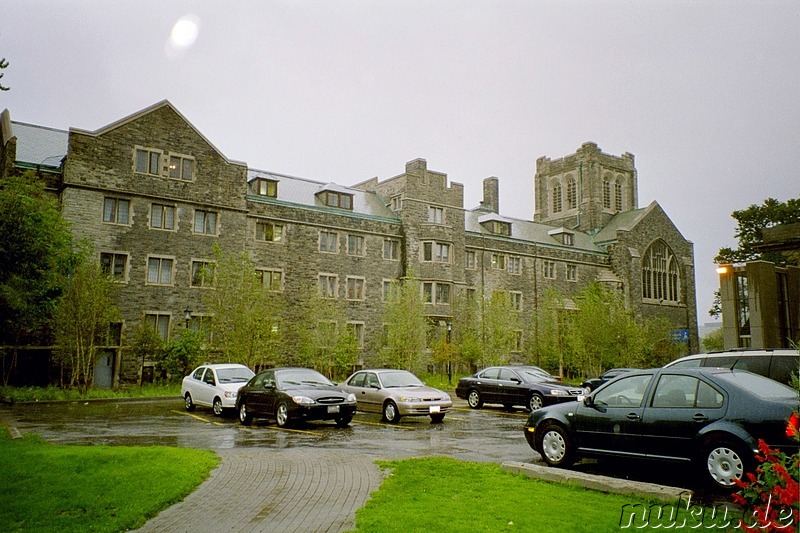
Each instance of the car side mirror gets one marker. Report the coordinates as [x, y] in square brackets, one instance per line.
[516, 380]
[269, 386]
[588, 401]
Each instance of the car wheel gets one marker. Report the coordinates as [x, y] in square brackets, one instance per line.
[217, 407]
[555, 446]
[343, 421]
[390, 413]
[535, 401]
[437, 418]
[474, 399]
[188, 403]
[244, 414]
[725, 462]
[282, 415]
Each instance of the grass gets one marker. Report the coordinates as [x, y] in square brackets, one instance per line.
[47, 487]
[443, 495]
[41, 394]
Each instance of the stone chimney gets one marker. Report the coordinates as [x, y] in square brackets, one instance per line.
[491, 195]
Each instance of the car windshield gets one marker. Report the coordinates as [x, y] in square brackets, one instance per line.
[301, 377]
[400, 379]
[234, 375]
[531, 375]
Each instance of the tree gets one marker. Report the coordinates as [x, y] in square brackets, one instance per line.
[82, 319]
[407, 326]
[244, 311]
[713, 341]
[3, 64]
[501, 323]
[181, 354]
[146, 345]
[36, 258]
[750, 224]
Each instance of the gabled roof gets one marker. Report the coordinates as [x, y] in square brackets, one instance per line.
[38, 146]
[624, 220]
[303, 192]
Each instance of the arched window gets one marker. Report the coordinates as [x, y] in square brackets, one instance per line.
[606, 193]
[556, 197]
[618, 195]
[572, 193]
[660, 274]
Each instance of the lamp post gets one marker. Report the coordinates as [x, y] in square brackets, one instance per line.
[449, 353]
[187, 315]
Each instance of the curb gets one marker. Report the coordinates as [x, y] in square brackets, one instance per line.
[598, 482]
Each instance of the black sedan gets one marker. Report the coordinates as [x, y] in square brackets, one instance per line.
[710, 417]
[292, 394]
[592, 383]
[514, 385]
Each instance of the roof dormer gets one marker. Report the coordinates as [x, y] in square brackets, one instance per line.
[333, 195]
[494, 223]
[563, 236]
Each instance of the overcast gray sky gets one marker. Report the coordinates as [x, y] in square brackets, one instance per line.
[704, 94]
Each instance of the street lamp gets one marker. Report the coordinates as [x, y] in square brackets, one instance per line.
[187, 315]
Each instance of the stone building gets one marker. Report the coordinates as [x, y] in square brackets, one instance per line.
[154, 196]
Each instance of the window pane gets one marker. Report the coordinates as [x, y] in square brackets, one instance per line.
[153, 162]
[108, 210]
[211, 223]
[152, 270]
[166, 272]
[141, 161]
[169, 217]
[156, 216]
[188, 168]
[199, 221]
[174, 167]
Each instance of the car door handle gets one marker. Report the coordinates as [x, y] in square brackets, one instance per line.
[699, 417]
[633, 416]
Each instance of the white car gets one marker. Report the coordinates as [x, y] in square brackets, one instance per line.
[215, 386]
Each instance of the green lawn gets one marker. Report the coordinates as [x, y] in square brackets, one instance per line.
[47, 487]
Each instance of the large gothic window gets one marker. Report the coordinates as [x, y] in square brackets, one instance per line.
[606, 193]
[660, 274]
[572, 193]
[556, 197]
[618, 195]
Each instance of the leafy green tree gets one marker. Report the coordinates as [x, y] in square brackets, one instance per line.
[751, 222]
[180, 355]
[552, 325]
[407, 326]
[3, 64]
[244, 311]
[146, 345]
[82, 319]
[713, 342]
[501, 323]
[466, 334]
[36, 259]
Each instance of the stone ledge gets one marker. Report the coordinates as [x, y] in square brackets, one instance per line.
[597, 482]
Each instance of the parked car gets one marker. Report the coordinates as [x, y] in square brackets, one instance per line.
[396, 393]
[592, 383]
[214, 386]
[293, 394]
[514, 385]
[710, 416]
[775, 364]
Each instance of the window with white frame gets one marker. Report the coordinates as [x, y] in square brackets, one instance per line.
[328, 285]
[268, 231]
[498, 261]
[203, 273]
[470, 261]
[158, 323]
[328, 242]
[160, 270]
[265, 187]
[390, 288]
[514, 264]
[181, 167]
[549, 269]
[205, 222]
[336, 199]
[568, 239]
[115, 265]
[515, 299]
[396, 203]
[357, 330]
[572, 273]
[437, 252]
[355, 245]
[147, 161]
[272, 280]
[162, 216]
[116, 210]
[435, 292]
[436, 214]
[391, 249]
[355, 288]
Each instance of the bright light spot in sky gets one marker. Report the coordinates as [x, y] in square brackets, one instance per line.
[183, 35]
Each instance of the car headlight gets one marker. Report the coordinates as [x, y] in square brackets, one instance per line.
[409, 399]
[446, 397]
[229, 394]
[558, 392]
[351, 398]
[303, 400]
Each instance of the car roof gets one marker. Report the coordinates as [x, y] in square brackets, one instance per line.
[749, 352]
[219, 366]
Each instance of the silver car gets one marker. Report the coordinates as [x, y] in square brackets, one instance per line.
[214, 386]
[396, 393]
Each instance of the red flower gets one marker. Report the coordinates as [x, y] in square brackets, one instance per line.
[793, 426]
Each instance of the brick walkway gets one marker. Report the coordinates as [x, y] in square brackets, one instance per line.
[302, 490]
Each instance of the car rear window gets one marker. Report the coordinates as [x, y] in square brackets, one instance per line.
[758, 364]
[759, 385]
[783, 366]
[722, 361]
[687, 363]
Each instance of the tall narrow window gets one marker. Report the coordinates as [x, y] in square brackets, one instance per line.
[660, 274]
[606, 193]
[743, 310]
[556, 197]
[618, 195]
[391, 249]
[572, 193]
[549, 269]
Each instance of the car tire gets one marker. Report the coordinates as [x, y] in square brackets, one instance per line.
[282, 415]
[474, 399]
[343, 421]
[244, 414]
[723, 462]
[390, 412]
[188, 403]
[437, 418]
[555, 446]
[217, 407]
[535, 402]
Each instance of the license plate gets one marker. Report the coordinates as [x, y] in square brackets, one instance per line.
[434, 408]
[333, 408]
